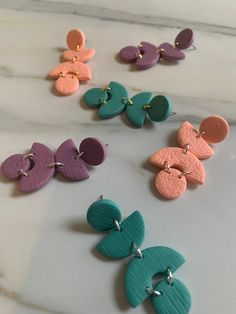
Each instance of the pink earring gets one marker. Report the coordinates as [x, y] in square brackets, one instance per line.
[182, 164]
[69, 73]
[146, 55]
[37, 167]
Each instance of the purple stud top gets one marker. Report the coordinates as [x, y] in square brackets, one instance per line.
[184, 39]
[94, 151]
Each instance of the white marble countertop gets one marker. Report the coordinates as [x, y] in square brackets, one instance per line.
[47, 259]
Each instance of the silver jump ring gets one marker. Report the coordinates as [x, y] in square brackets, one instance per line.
[169, 277]
[117, 225]
[55, 164]
[79, 155]
[27, 156]
[23, 173]
[137, 251]
[151, 291]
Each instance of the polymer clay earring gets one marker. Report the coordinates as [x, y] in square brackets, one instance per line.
[124, 239]
[113, 100]
[69, 73]
[146, 55]
[37, 167]
[182, 164]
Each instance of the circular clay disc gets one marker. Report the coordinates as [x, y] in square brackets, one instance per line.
[101, 214]
[214, 129]
[184, 39]
[75, 39]
[170, 184]
[67, 85]
[95, 151]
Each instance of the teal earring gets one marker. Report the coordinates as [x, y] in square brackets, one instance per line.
[169, 295]
[113, 100]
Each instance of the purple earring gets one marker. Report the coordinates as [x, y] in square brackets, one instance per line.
[147, 55]
[37, 167]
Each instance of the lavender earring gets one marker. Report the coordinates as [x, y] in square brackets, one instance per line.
[37, 167]
[146, 55]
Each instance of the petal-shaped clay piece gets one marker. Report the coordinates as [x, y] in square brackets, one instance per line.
[149, 56]
[80, 56]
[184, 39]
[81, 70]
[118, 244]
[187, 135]
[40, 173]
[161, 108]
[170, 184]
[75, 39]
[67, 85]
[170, 53]
[135, 111]
[94, 151]
[214, 129]
[129, 54]
[186, 162]
[74, 168]
[115, 104]
[95, 96]
[11, 166]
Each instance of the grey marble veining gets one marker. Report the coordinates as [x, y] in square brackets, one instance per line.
[48, 263]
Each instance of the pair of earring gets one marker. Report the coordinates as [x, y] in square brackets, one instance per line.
[37, 167]
[124, 239]
[113, 100]
[182, 164]
[146, 55]
[69, 73]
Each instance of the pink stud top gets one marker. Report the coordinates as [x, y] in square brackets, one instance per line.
[214, 129]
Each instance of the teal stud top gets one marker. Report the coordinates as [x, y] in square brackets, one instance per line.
[159, 108]
[174, 299]
[141, 271]
[102, 214]
[121, 243]
[135, 109]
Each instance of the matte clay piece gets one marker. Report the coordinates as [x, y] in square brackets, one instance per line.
[75, 39]
[184, 39]
[182, 164]
[113, 100]
[94, 151]
[102, 215]
[214, 129]
[170, 295]
[118, 244]
[37, 167]
[73, 166]
[174, 299]
[69, 73]
[146, 55]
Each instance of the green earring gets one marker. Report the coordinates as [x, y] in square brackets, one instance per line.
[114, 99]
[169, 295]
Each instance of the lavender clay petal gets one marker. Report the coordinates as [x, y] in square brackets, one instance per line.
[40, 173]
[74, 168]
[11, 166]
[170, 53]
[149, 56]
[184, 39]
[94, 151]
[129, 54]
